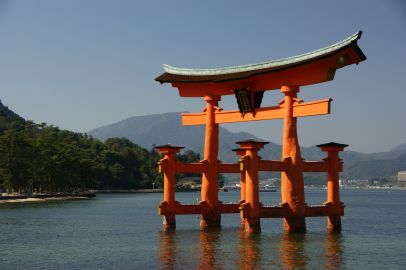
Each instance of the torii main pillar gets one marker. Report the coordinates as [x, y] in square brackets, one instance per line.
[292, 185]
[209, 192]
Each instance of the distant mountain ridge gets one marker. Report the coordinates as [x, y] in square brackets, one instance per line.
[167, 128]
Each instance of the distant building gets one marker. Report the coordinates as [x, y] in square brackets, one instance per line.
[402, 178]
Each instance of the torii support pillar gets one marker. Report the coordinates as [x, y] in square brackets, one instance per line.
[209, 193]
[241, 153]
[167, 166]
[250, 210]
[333, 185]
[292, 184]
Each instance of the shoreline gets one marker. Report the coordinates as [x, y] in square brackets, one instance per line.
[38, 198]
[112, 191]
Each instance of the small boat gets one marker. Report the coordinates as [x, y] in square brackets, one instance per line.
[267, 190]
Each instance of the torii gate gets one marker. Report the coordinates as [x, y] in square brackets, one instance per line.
[248, 84]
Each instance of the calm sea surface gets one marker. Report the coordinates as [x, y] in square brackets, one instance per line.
[124, 232]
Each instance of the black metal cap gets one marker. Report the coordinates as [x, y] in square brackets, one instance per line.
[332, 144]
[252, 140]
[168, 145]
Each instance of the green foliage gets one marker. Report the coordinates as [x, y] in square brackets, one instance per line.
[187, 157]
[9, 119]
[48, 159]
[41, 158]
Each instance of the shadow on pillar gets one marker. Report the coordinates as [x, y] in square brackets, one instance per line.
[334, 224]
[253, 226]
[295, 224]
[210, 218]
[210, 221]
[169, 222]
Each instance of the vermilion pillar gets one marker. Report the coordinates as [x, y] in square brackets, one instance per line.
[251, 208]
[241, 153]
[211, 217]
[333, 185]
[167, 166]
[292, 184]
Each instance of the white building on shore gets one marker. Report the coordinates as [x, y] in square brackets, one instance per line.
[402, 178]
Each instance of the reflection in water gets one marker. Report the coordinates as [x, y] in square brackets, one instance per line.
[168, 250]
[291, 247]
[209, 245]
[250, 251]
[334, 251]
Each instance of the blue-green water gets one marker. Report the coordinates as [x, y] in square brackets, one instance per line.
[124, 232]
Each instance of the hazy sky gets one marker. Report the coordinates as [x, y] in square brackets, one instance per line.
[83, 64]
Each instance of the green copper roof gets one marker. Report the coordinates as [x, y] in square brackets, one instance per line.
[186, 74]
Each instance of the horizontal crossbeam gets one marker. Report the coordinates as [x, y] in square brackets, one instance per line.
[199, 167]
[318, 166]
[181, 167]
[265, 211]
[264, 165]
[273, 165]
[310, 211]
[312, 108]
[315, 166]
[195, 209]
[229, 168]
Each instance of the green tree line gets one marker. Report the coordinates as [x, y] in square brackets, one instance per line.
[44, 158]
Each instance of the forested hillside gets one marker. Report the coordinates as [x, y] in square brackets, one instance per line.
[44, 158]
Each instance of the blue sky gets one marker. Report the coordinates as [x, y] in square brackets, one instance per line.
[83, 64]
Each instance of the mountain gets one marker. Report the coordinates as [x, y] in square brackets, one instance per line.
[375, 168]
[167, 128]
[8, 117]
[398, 148]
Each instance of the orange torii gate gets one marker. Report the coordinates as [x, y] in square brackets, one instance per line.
[248, 83]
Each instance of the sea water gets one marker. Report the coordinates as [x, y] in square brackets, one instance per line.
[123, 231]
